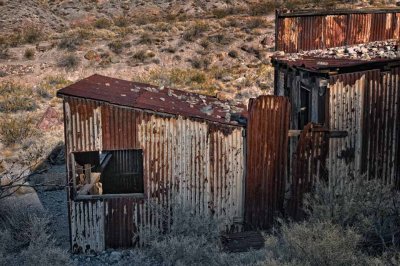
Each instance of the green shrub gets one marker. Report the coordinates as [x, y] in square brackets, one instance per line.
[69, 62]
[29, 53]
[195, 31]
[103, 23]
[14, 98]
[15, 129]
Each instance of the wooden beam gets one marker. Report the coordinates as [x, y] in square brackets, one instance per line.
[104, 162]
[331, 133]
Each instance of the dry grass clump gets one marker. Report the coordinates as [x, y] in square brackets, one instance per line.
[121, 21]
[29, 53]
[221, 39]
[254, 23]
[142, 56]
[116, 46]
[32, 34]
[195, 31]
[15, 129]
[4, 51]
[193, 79]
[192, 239]
[260, 8]
[146, 38]
[200, 62]
[228, 11]
[15, 97]
[72, 40]
[25, 239]
[48, 86]
[69, 61]
[102, 23]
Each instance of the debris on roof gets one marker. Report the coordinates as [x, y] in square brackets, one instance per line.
[344, 56]
[157, 99]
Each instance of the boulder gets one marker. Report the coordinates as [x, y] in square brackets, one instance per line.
[50, 118]
[92, 56]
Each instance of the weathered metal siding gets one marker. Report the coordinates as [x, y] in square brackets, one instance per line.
[267, 138]
[191, 162]
[345, 95]
[303, 32]
[87, 226]
[366, 104]
[381, 132]
[308, 167]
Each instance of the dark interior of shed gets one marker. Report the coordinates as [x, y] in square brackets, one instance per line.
[109, 172]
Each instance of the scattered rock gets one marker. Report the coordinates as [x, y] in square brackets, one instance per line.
[264, 85]
[45, 46]
[114, 60]
[226, 78]
[92, 56]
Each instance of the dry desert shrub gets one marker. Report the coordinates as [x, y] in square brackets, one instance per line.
[195, 31]
[15, 97]
[29, 53]
[25, 239]
[369, 206]
[15, 129]
[315, 243]
[48, 86]
[69, 61]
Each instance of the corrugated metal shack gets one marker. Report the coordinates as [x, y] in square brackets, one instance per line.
[130, 145]
[352, 88]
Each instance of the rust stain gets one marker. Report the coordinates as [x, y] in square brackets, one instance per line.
[311, 30]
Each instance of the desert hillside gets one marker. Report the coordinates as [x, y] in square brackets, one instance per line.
[215, 47]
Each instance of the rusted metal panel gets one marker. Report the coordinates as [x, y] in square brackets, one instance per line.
[267, 138]
[87, 226]
[308, 166]
[120, 216]
[299, 31]
[148, 97]
[381, 127]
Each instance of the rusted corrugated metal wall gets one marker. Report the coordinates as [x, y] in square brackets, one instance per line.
[381, 132]
[366, 104]
[303, 32]
[308, 167]
[197, 163]
[267, 138]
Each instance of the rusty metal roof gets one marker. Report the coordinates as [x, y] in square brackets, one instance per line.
[157, 99]
[324, 12]
[323, 64]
